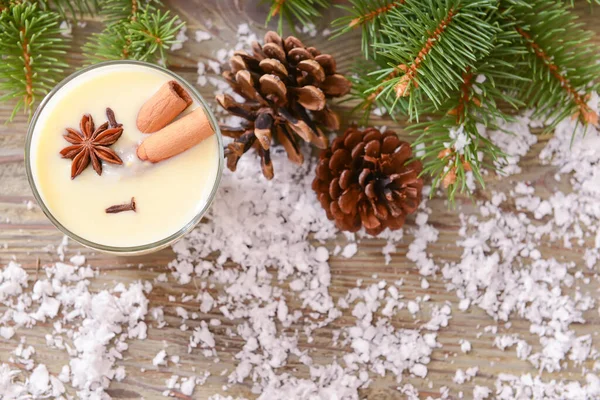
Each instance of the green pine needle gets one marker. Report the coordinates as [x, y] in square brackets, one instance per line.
[116, 11]
[144, 35]
[477, 103]
[303, 11]
[428, 47]
[152, 33]
[32, 52]
[450, 168]
[70, 9]
[368, 15]
[572, 2]
[110, 44]
[563, 62]
[367, 83]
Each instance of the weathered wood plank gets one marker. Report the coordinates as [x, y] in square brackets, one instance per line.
[25, 235]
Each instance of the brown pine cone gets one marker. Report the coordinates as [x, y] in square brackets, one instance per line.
[282, 81]
[364, 180]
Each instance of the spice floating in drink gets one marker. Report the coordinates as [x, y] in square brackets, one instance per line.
[122, 207]
[91, 144]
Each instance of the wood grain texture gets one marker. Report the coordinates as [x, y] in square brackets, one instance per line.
[25, 235]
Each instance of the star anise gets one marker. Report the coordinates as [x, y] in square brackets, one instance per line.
[91, 144]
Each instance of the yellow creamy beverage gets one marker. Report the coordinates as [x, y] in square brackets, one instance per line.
[168, 194]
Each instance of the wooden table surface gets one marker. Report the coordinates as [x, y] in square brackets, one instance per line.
[25, 234]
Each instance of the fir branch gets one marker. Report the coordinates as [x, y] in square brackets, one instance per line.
[465, 98]
[152, 33]
[454, 155]
[367, 84]
[70, 9]
[588, 116]
[112, 43]
[572, 2]
[374, 14]
[490, 83]
[370, 16]
[410, 72]
[144, 35]
[303, 11]
[32, 50]
[117, 11]
[362, 82]
[564, 63]
[475, 104]
[433, 48]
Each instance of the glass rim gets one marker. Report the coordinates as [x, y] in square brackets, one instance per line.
[125, 250]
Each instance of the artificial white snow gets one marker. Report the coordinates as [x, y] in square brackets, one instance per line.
[187, 386]
[510, 387]
[461, 376]
[413, 307]
[77, 260]
[388, 250]
[181, 38]
[202, 36]
[419, 370]
[423, 235]
[6, 332]
[460, 139]
[514, 139]
[215, 66]
[10, 388]
[66, 29]
[349, 250]
[40, 384]
[465, 345]
[101, 324]
[39, 381]
[321, 254]
[481, 392]
[308, 29]
[201, 71]
[440, 317]
[160, 358]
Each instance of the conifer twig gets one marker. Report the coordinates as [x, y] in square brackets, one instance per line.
[134, 31]
[70, 9]
[464, 97]
[117, 11]
[562, 61]
[433, 48]
[303, 11]
[32, 50]
[455, 151]
[587, 115]
[369, 15]
[402, 88]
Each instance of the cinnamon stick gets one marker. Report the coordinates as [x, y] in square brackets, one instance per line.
[176, 137]
[166, 104]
